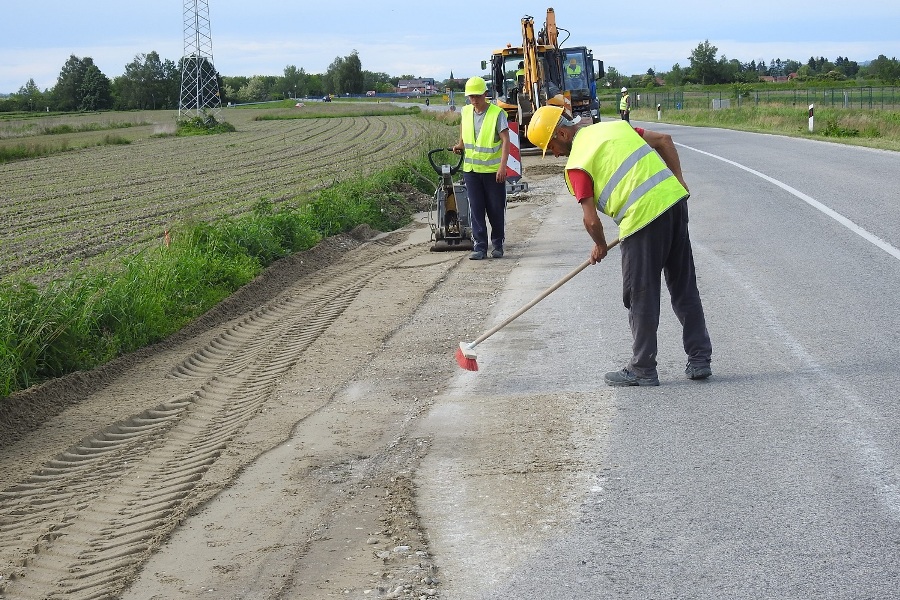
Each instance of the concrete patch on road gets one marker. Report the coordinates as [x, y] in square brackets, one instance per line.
[504, 477]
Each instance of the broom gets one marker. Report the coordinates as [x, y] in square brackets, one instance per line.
[465, 354]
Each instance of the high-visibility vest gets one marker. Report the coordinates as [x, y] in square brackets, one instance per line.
[483, 154]
[623, 103]
[632, 184]
[573, 71]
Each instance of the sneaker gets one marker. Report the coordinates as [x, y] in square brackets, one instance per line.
[497, 253]
[625, 378]
[477, 255]
[697, 371]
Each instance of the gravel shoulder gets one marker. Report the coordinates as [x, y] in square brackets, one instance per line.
[275, 447]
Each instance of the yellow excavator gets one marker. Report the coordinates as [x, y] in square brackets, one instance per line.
[540, 73]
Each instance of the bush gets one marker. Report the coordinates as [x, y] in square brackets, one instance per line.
[205, 124]
[833, 129]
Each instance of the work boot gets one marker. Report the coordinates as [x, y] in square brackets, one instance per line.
[625, 378]
[697, 371]
[497, 253]
[477, 255]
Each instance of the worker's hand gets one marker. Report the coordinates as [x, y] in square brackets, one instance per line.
[457, 149]
[501, 175]
[598, 253]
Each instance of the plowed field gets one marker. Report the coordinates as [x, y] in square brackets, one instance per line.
[90, 202]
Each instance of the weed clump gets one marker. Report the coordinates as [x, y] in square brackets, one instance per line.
[205, 124]
[834, 129]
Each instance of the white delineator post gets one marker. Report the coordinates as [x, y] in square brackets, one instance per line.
[658, 112]
[811, 117]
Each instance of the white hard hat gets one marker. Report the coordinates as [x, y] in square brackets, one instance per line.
[624, 89]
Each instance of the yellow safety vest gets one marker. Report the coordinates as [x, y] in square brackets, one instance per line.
[573, 71]
[482, 155]
[632, 184]
[623, 103]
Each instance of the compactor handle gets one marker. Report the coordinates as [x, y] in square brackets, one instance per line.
[437, 168]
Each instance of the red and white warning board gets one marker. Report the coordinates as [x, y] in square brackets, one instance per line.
[514, 162]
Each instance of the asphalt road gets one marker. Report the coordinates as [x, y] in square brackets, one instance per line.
[780, 476]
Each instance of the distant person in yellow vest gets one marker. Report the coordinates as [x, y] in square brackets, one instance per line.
[625, 105]
[634, 176]
[484, 137]
[520, 73]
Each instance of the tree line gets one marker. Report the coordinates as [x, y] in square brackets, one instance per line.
[150, 82]
[706, 67]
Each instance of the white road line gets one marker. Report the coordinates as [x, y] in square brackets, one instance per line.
[866, 235]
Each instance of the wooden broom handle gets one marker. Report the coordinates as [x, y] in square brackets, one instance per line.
[539, 297]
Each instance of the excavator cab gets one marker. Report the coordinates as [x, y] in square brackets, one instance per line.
[580, 75]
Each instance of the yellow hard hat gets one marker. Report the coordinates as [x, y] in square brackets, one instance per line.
[475, 86]
[543, 124]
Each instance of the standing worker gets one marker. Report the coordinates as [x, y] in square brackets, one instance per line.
[485, 139]
[625, 105]
[613, 168]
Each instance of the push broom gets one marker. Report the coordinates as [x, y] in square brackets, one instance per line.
[465, 354]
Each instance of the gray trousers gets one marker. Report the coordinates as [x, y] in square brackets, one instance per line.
[662, 247]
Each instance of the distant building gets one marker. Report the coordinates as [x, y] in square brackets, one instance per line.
[777, 78]
[416, 87]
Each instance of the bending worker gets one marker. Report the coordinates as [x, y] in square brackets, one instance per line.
[484, 135]
[613, 168]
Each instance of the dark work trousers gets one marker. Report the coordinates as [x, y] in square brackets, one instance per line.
[663, 246]
[486, 197]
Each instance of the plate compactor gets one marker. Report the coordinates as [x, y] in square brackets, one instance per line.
[452, 229]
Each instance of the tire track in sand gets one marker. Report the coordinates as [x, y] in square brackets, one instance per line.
[81, 526]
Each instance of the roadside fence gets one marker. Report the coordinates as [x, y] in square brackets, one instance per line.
[869, 98]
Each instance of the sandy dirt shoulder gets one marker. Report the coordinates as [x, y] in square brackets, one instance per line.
[270, 449]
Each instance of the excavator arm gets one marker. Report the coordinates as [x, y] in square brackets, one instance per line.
[531, 88]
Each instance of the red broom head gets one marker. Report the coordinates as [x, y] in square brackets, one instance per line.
[466, 358]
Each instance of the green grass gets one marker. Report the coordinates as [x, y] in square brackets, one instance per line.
[23, 151]
[91, 315]
[64, 128]
[870, 128]
[323, 110]
[26, 150]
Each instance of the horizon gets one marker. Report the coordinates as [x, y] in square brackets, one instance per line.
[429, 40]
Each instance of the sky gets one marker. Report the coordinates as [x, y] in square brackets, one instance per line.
[432, 39]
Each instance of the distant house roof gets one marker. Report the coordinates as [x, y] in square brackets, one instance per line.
[423, 83]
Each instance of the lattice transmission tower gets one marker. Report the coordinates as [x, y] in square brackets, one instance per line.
[199, 83]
